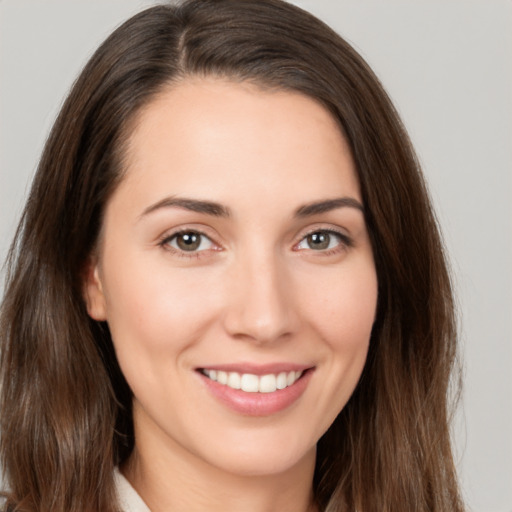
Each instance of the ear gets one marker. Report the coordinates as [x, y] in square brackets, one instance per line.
[93, 291]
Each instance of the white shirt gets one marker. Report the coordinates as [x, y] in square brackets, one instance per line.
[129, 500]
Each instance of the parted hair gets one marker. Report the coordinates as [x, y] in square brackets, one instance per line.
[65, 408]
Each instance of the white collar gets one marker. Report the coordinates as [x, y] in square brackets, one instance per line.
[129, 500]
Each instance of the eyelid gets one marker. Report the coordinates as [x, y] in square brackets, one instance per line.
[164, 241]
[194, 227]
[346, 240]
[173, 241]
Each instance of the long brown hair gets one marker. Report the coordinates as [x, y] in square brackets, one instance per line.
[65, 412]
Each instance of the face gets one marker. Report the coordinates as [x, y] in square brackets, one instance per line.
[236, 275]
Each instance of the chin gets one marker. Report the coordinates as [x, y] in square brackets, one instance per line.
[254, 458]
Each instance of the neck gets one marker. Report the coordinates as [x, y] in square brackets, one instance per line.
[174, 479]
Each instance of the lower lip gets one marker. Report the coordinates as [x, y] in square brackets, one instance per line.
[258, 404]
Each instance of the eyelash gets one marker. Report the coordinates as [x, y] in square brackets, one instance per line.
[166, 240]
[345, 242]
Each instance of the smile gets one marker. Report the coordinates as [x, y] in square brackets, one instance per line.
[251, 383]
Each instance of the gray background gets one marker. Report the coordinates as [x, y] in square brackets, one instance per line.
[447, 65]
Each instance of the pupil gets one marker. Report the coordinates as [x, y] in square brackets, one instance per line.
[319, 240]
[188, 241]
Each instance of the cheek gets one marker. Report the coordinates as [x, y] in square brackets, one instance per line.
[345, 309]
[156, 310]
[343, 316]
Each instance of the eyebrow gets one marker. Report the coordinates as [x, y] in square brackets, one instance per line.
[219, 210]
[194, 205]
[328, 205]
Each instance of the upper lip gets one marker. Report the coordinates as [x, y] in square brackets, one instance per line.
[257, 369]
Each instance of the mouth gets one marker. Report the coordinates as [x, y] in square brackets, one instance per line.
[252, 383]
[257, 391]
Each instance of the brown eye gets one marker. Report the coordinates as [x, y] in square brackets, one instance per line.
[319, 241]
[190, 241]
[323, 240]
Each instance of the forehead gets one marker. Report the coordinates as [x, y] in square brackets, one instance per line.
[210, 135]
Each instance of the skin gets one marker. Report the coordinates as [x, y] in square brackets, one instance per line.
[256, 290]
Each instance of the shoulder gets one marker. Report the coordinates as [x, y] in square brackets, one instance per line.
[129, 500]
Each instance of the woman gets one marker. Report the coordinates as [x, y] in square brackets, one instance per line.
[228, 289]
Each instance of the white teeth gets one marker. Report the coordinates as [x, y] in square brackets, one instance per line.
[267, 384]
[234, 380]
[251, 383]
[281, 381]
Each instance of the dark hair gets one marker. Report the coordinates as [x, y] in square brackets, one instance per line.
[65, 407]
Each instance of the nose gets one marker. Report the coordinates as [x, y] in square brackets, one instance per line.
[260, 303]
